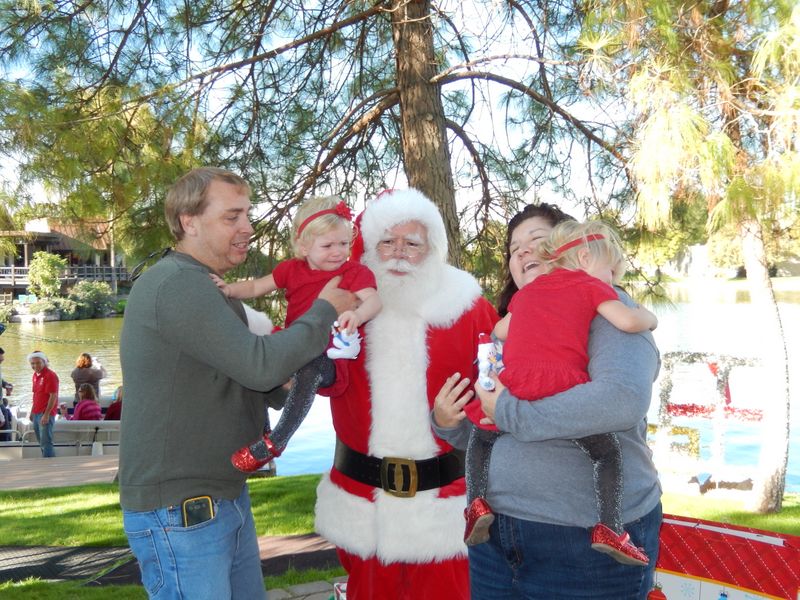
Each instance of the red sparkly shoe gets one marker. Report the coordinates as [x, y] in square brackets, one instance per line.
[619, 547]
[253, 457]
[479, 518]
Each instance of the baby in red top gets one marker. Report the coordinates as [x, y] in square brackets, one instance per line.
[322, 236]
[545, 352]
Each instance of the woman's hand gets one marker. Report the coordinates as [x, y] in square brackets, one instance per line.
[448, 406]
[489, 399]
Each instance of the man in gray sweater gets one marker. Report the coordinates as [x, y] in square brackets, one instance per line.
[196, 383]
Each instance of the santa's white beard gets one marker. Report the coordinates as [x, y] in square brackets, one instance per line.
[406, 292]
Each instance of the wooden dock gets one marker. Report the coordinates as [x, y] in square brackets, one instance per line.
[60, 471]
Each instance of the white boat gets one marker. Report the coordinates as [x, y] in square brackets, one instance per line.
[70, 438]
[74, 438]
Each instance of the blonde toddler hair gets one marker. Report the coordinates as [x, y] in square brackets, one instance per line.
[319, 226]
[608, 248]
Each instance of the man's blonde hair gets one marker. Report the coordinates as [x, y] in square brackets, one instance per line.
[608, 248]
[319, 226]
[189, 195]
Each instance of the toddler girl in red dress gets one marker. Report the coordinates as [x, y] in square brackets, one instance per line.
[544, 352]
[322, 236]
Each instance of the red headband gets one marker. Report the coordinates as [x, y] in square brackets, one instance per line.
[577, 242]
[340, 210]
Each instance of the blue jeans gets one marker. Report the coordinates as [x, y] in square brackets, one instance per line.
[538, 561]
[215, 560]
[44, 435]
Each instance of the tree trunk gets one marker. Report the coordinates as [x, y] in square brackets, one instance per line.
[770, 481]
[113, 257]
[426, 156]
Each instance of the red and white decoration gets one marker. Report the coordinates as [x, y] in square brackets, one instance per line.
[705, 560]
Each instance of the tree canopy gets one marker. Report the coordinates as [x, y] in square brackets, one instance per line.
[106, 102]
[599, 103]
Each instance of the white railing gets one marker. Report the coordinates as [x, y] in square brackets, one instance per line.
[19, 275]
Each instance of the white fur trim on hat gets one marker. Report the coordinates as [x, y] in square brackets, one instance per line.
[38, 354]
[401, 206]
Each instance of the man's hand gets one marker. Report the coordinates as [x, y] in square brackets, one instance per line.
[448, 406]
[342, 300]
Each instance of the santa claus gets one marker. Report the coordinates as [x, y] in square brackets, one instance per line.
[393, 502]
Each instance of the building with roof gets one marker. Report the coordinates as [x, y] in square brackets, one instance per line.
[88, 250]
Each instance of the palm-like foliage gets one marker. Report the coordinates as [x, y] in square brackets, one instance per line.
[715, 88]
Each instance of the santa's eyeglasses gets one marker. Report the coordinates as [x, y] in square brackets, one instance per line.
[407, 248]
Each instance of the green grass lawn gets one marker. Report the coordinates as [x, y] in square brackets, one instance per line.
[90, 516]
[732, 511]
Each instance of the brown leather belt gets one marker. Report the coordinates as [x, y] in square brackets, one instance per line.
[400, 477]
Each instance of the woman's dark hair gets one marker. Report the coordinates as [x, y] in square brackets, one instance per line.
[548, 212]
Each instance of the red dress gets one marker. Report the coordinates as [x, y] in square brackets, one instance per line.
[546, 349]
[303, 284]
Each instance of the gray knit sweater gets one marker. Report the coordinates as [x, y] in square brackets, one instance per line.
[195, 383]
[538, 474]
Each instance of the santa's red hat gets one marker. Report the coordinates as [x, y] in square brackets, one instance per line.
[394, 207]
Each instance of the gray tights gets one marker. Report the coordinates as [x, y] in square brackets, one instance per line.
[603, 450]
[320, 372]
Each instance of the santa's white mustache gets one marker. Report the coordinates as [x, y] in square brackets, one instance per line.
[398, 265]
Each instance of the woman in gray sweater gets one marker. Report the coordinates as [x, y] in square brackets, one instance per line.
[538, 546]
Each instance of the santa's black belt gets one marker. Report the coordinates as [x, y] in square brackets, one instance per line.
[401, 477]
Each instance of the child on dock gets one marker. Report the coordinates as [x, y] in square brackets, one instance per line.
[322, 236]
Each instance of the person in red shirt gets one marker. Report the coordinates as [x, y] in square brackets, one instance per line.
[114, 410]
[45, 397]
[322, 235]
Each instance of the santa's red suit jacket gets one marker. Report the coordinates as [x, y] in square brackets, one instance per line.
[381, 406]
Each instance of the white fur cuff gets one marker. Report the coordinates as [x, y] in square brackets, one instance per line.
[257, 322]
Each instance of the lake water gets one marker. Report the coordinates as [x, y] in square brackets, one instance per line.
[705, 317]
[311, 450]
[716, 317]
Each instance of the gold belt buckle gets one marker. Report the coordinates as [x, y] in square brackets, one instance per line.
[394, 484]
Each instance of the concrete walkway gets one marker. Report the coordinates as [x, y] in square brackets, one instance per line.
[317, 590]
[60, 471]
